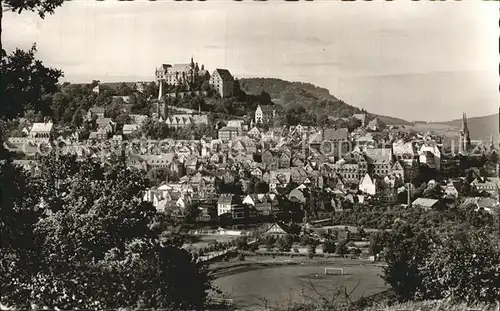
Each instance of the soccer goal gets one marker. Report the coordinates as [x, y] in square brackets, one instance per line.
[334, 271]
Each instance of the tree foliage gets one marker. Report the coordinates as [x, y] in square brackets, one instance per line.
[25, 80]
[92, 243]
[456, 264]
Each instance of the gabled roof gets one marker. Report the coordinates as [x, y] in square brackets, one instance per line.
[42, 127]
[277, 228]
[379, 155]
[130, 127]
[267, 108]
[225, 198]
[335, 135]
[425, 202]
[397, 166]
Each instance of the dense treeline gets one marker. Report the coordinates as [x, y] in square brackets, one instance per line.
[78, 235]
[461, 265]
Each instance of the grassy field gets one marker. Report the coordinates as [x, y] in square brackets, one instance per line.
[259, 280]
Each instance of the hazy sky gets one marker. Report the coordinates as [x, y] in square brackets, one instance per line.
[415, 60]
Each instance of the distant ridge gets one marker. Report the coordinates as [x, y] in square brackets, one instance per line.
[479, 127]
[313, 98]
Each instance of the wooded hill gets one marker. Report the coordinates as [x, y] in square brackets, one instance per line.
[313, 98]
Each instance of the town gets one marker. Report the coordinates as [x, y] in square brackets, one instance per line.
[244, 170]
[193, 178]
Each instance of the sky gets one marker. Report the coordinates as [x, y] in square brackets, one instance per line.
[421, 60]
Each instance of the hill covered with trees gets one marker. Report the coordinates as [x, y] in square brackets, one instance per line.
[317, 100]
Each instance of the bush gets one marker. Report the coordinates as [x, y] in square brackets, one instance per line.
[329, 246]
[241, 256]
[284, 243]
[342, 247]
[461, 265]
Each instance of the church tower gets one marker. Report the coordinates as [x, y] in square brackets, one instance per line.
[464, 135]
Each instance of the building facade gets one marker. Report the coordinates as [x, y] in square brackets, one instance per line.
[223, 82]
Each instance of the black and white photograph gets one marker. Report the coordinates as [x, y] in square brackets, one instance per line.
[250, 155]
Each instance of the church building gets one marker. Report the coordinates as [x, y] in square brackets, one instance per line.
[464, 144]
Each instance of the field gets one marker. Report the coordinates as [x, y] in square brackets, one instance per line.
[253, 282]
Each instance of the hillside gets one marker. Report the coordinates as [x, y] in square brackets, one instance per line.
[313, 98]
[479, 127]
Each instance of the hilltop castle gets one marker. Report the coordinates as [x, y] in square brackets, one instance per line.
[181, 74]
[191, 77]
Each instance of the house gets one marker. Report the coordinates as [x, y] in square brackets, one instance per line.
[158, 161]
[182, 120]
[368, 185]
[129, 129]
[379, 160]
[256, 172]
[361, 117]
[406, 153]
[490, 185]
[95, 112]
[453, 188]
[228, 204]
[365, 139]
[397, 170]
[425, 203]
[43, 130]
[264, 114]
[489, 205]
[105, 125]
[375, 125]
[207, 212]
[222, 81]
[430, 156]
[277, 230]
[267, 157]
[278, 179]
[228, 133]
[335, 135]
[254, 132]
[235, 123]
[284, 160]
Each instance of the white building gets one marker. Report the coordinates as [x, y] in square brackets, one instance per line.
[368, 185]
[222, 81]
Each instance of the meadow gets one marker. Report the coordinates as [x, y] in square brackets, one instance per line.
[258, 282]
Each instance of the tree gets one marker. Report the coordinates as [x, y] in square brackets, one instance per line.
[77, 119]
[464, 266]
[269, 241]
[353, 123]
[405, 252]
[342, 247]
[95, 244]
[284, 243]
[242, 243]
[24, 82]
[377, 242]
[311, 247]
[329, 246]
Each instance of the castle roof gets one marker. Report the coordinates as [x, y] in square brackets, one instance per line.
[180, 67]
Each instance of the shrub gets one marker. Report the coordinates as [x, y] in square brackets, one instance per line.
[328, 246]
